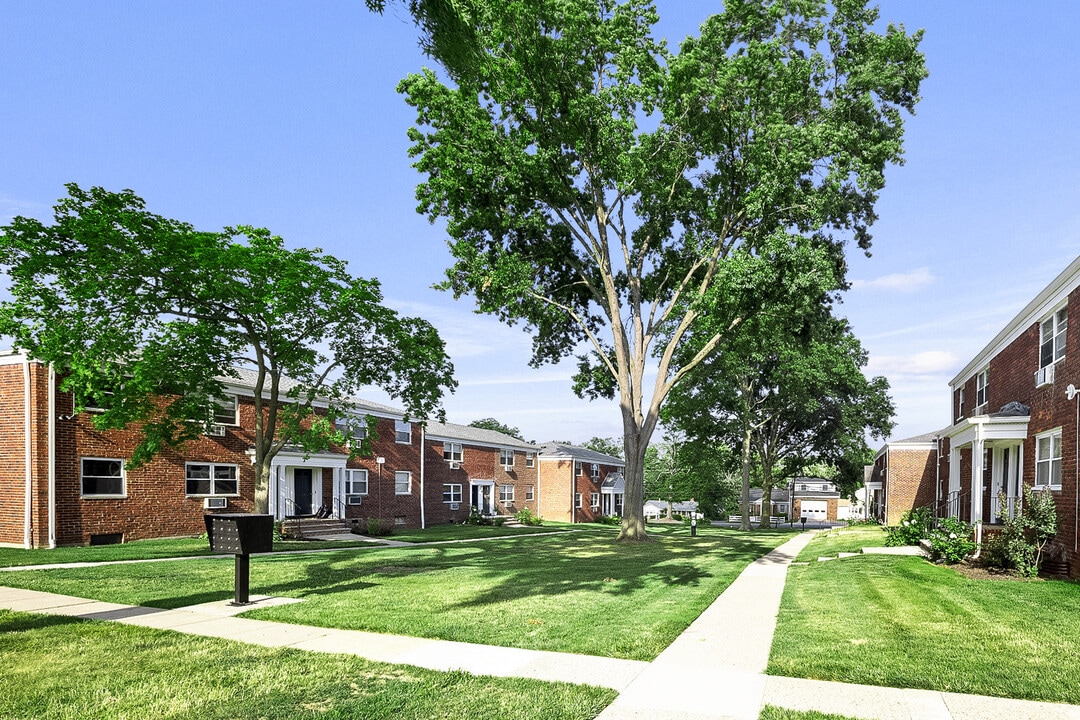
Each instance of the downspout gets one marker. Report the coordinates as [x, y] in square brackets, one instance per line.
[982, 471]
[538, 493]
[423, 447]
[1071, 393]
[885, 487]
[28, 539]
[52, 455]
[573, 488]
[937, 475]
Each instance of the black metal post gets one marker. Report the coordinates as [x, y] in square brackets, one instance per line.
[241, 577]
[693, 526]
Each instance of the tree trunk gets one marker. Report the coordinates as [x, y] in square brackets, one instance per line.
[633, 515]
[766, 493]
[744, 501]
[262, 487]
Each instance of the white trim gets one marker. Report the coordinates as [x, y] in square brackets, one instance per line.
[406, 472]
[103, 496]
[1061, 459]
[52, 455]
[1052, 297]
[28, 538]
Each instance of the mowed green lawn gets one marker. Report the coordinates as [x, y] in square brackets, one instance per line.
[904, 622]
[568, 592]
[58, 667]
[827, 543]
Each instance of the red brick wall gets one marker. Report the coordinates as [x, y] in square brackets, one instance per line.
[556, 478]
[909, 482]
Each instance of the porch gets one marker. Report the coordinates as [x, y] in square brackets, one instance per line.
[995, 443]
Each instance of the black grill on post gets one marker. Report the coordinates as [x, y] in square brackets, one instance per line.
[241, 534]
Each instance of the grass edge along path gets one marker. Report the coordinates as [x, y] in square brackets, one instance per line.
[561, 592]
[90, 670]
[904, 622]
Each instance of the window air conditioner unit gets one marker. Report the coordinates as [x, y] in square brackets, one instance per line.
[215, 503]
[455, 466]
[216, 430]
[508, 468]
[1044, 376]
[454, 506]
[352, 499]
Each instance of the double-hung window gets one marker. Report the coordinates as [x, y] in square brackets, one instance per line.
[102, 477]
[577, 500]
[529, 493]
[595, 471]
[356, 482]
[451, 452]
[451, 493]
[981, 382]
[506, 458]
[1052, 338]
[402, 432]
[224, 410]
[1048, 459]
[211, 479]
[402, 482]
[506, 493]
[594, 500]
[577, 467]
[530, 460]
[353, 428]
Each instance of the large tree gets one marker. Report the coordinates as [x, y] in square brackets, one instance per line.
[158, 315]
[597, 186]
[490, 423]
[790, 393]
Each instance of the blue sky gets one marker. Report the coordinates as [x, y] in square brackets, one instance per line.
[277, 115]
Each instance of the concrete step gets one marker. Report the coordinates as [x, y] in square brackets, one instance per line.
[313, 527]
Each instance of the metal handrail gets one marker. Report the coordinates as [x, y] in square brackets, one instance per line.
[341, 506]
[295, 516]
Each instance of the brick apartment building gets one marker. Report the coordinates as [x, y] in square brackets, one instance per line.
[64, 482]
[1014, 421]
[906, 474]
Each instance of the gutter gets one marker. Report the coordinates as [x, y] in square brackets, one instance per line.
[423, 447]
[52, 455]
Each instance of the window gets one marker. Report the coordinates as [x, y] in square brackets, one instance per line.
[356, 482]
[98, 402]
[981, 381]
[960, 405]
[506, 493]
[402, 482]
[1048, 459]
[402, 432]
[451, 452]
[594, 500]
[211, 479]
[451, 493]
[1052, 338]
[530, 460]
[354, 429]
[529, 495]
[102, 477]
[506, 458]
[577, 467]
[577, 500]
[595, 471]
[225, 410]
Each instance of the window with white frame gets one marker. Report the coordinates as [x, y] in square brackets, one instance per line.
[451, 493]
[356, 482]
[1052, 337]
[529, 493]
[1048, 459]
[402, 482]
[402, 432]
[530, 459]
[577, 467]
[102, 477]
[577, 500]
[225, 410]
[506, 493]
[451, 452]
[960, 403]
[506, 458]
[981, 381]
[211, 479]
[594, 500]
[595, 471]
[353, 428]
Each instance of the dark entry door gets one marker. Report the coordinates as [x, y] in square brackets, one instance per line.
[302, 490]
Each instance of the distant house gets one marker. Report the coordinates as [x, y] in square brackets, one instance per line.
[655, 509]
[779, 498]
[905, 475]
[816, 499]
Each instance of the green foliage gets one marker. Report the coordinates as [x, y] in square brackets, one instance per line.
[377, 527]
[601, 189]
[162, 315]
[490, 423]
[608, 520]
[951, 540]
[681, 471]
[914, 525]
[475, 518]
[1022, 542]
[525, 516]
[604, 446]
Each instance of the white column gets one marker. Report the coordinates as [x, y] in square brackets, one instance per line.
[977, 478]
[954, 480]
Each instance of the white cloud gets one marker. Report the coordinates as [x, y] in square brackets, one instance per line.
[930, 362]
[900, 282]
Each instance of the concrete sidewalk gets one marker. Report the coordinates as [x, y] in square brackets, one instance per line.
[713, 671]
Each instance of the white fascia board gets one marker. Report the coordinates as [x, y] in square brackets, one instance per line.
[1046, 302]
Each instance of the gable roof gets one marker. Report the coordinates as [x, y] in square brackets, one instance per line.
[564, 450]
[476, 436]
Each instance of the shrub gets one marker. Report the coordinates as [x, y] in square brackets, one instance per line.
[475, 518]
[950, 541]
[608, 520]
[376, 527]
[1022, 542]
[525, 516]
[499, 521]
[914, 526]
